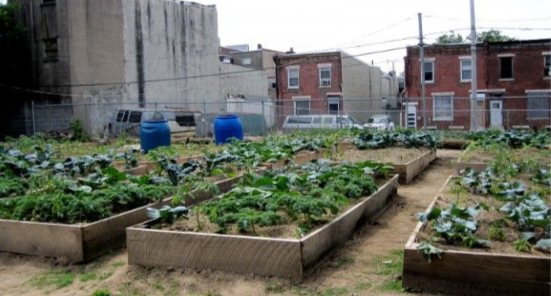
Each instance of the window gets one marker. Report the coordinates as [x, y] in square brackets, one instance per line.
[50, 49]
[272, 83]
[466, 69]
[429, 71]
[300, 120]
[293, 77]
[325, 76]
[328, 120]
[302, 107]
[316, 120]
[442, 107]
[135, 117]
[547, 65]
[506, 67]
[245, 61]
[538, 104]
[334, 105]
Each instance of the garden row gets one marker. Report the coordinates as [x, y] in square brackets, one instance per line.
[87, 205]
[488, 230]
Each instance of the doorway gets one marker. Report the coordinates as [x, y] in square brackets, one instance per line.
[496, 114]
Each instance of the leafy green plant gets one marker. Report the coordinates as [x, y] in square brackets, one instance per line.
[79, 134]
[167, 214]
[429, 251]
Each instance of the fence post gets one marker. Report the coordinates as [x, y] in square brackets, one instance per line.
[263, 117]
[205, 132]
[32, 116]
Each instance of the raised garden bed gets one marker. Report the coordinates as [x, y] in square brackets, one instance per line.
[479, 157]
[301, 158]
[463, 271]
[408, 163]
[286, 258]
[82, 242]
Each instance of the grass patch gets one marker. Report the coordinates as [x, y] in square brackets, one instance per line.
[118, 264]
[56, 278]
[275, 288]
[362, 286]
[105, 275]
[391, 267]
[101, 293]
[126, 289]
[337, 291]
[88, 276]
[158, 287]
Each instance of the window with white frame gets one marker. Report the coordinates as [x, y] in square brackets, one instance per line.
[302, 107]
[538, 104]
[466, 69]
[506, 67]
[428, 70]
[246, 61]
[293, 77]
[442, 107]
[325, 75]
[547, 65]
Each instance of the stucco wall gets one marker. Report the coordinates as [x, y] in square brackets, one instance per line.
[242, 81]
[361, 86]
[171, 51]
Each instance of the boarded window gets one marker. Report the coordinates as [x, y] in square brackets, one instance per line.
[443, 108]
[538, 105]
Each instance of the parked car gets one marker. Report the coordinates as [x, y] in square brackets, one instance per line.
[129, 120]
[380, 123]
[295, 122]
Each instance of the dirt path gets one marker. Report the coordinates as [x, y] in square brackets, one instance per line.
[369, 264]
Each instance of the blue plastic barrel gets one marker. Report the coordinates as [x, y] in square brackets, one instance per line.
[153, 134]
[227, 127]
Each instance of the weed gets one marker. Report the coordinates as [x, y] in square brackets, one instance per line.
[337, 291]
[392, 286]
[342, 261]
[118, 264]
[158, 287]
[105, 275]
[101, 293]
[57, 278]
[362, 286]
[275, 288]
[88, 276]
[496, 233]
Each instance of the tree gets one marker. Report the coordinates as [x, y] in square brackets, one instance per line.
[13, 48]
[449, 38]
[493, 36]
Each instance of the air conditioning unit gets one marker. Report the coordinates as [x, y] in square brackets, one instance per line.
[325, 83]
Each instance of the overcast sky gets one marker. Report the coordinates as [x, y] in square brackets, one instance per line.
[363, 27]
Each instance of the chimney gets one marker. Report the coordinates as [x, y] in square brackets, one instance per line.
[291, 51]
[259, 46]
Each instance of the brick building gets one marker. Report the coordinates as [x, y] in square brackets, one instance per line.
[513, 84]
[327, 83]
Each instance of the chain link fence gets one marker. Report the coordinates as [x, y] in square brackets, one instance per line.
[263, 116]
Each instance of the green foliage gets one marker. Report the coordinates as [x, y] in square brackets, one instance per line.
[167, 214]
[449, 38]
[429, 251]
[78, 131]
[522, 245]
[304, 193]
[493, 36]
[373, 140]
[456, 224]
[57, 278]
[101, 293]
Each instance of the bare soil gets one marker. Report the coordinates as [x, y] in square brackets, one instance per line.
[394, 155]
[369, 264]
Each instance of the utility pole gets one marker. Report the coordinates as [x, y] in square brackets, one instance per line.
[422, 67]
[474, 108]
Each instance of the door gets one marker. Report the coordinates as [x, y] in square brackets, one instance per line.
[496, 114]
[334, 104]
[411, 116]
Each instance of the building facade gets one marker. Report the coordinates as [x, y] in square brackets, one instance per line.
[137, 52]
[327, 83]
[513, 84]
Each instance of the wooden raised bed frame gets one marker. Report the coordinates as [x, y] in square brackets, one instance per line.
[474, 272]
[285, 258]
[83, 242]
[407, 171]
[411, 169]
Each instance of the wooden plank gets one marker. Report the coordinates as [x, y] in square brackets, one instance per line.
[42, 239]
[455, 144]
[411, 169]
[467, 273]
[474, 272]
[240, 254]
[476, 166]
[326, 239]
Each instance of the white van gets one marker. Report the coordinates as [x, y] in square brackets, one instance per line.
[129, 120]
[295, 122]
